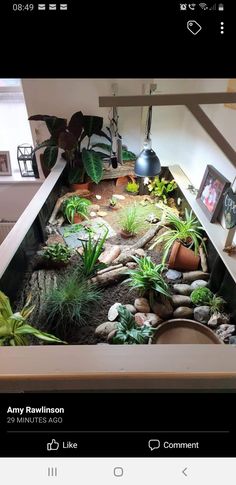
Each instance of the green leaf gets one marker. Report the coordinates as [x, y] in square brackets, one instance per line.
[92, 164]
[29, 330]
[50, 156]
[92, 125]
[76, 174]
[103, 146]
[127, 155]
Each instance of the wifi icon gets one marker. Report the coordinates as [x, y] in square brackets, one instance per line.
[203, 6]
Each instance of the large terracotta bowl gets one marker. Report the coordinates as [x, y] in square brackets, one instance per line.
[184, 331]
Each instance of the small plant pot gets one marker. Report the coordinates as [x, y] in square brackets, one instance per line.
[182, 258]
[126, 234]
[184, 331]
[85, 186]
[114, 207]
[77, 218]
[132, 193]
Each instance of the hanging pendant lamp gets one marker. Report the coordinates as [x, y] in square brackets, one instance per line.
[147, 163]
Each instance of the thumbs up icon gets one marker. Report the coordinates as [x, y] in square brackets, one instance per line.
[53, 446]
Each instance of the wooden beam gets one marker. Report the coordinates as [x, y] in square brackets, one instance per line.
[213, 132]
[167, 99]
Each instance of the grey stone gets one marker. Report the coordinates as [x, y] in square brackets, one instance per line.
[131, 308]
[142, 305]
[225, 331]
[232, 340]
[98, 224]
[218, 319]
[195, 275]
[113, 312]
[144, 318]
[173, 275]
[198, 284]
[105, 328]
[183, 312]
[181, 300]
[202, 313]
[182, 289]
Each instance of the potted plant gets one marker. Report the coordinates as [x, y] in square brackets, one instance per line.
[57, 255]
[132, 188]
[75, 209]
[180, 238]
[162, 188]
[128, 332]
[113, 204]
[84, 162]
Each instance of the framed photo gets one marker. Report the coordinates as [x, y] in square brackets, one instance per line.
[211, 192]
[5, 164]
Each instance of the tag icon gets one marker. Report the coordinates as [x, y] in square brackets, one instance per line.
[194, 27]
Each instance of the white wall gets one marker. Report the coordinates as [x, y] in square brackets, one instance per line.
[14, 198]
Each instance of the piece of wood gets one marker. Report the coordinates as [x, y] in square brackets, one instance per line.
[203, 259]
[127, 169]
[110, 268]
[110, 277]
[148, 236]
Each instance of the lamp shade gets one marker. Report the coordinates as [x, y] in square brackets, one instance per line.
[147, 163]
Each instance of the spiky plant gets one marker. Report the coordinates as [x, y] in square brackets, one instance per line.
[130, 220]
[14, 329]
[188, 231]
[147, 277]
[91, 252]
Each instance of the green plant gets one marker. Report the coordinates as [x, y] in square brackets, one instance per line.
[187, 231]
[69, 304]
[91, 252]
[57, 252]
[113, 202]
[69, 136]
[147, 276]
[130, 220]
[132, 187]
[14, 329]
[126, 154]
[162, 187]
[75, 205]
[217, 304]
[201, 296]
[127, 330]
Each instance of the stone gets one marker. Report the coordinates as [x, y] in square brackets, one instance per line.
[131, 308]
[94, 208]
[105, 328]
[55, 238]
[144, 318]
[142, 305]
[218, 319]
[162, 308]
[198, 284]
[232, 340]
[102, 214]
[110, 253]
[181, 300]
[119, 196]
[173, 275]
[225, 331]
[131, 265]
[183, 312]
[140, 252]
[98, 197]
[202, 313]
[113, 312]
[110, 336]
[195, 275]
[182, 289]
[93, 214]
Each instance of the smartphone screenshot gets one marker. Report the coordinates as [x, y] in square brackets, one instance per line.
[117, 243]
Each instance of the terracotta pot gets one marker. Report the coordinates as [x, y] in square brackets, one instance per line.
[126, 234]
[184, 331]
[85, 186]
[182, 258]
[77, 218]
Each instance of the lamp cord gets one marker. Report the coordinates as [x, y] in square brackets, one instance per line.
[149, 120]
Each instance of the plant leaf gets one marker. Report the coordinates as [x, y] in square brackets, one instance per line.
[92, 125]
[50, 156]
[76, 123]
[29, 330]
[92, 164]
[67, 141]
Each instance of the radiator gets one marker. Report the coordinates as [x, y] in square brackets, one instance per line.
[5, 228]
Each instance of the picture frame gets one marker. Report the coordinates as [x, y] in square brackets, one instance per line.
[211, 191]
[5, 163]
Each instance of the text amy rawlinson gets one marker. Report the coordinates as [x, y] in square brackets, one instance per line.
[30, 410]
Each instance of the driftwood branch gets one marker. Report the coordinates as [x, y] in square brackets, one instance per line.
[203, 259]
[109, 277]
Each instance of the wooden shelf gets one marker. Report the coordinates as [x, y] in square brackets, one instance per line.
[216, 233]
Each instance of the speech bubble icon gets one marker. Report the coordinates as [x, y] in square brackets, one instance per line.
[154, 444]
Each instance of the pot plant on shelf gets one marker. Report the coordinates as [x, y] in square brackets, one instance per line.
[132, 188]
[182, 240]
[84, 161]
[75, 209]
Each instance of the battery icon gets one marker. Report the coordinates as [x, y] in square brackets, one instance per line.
[221, 7]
